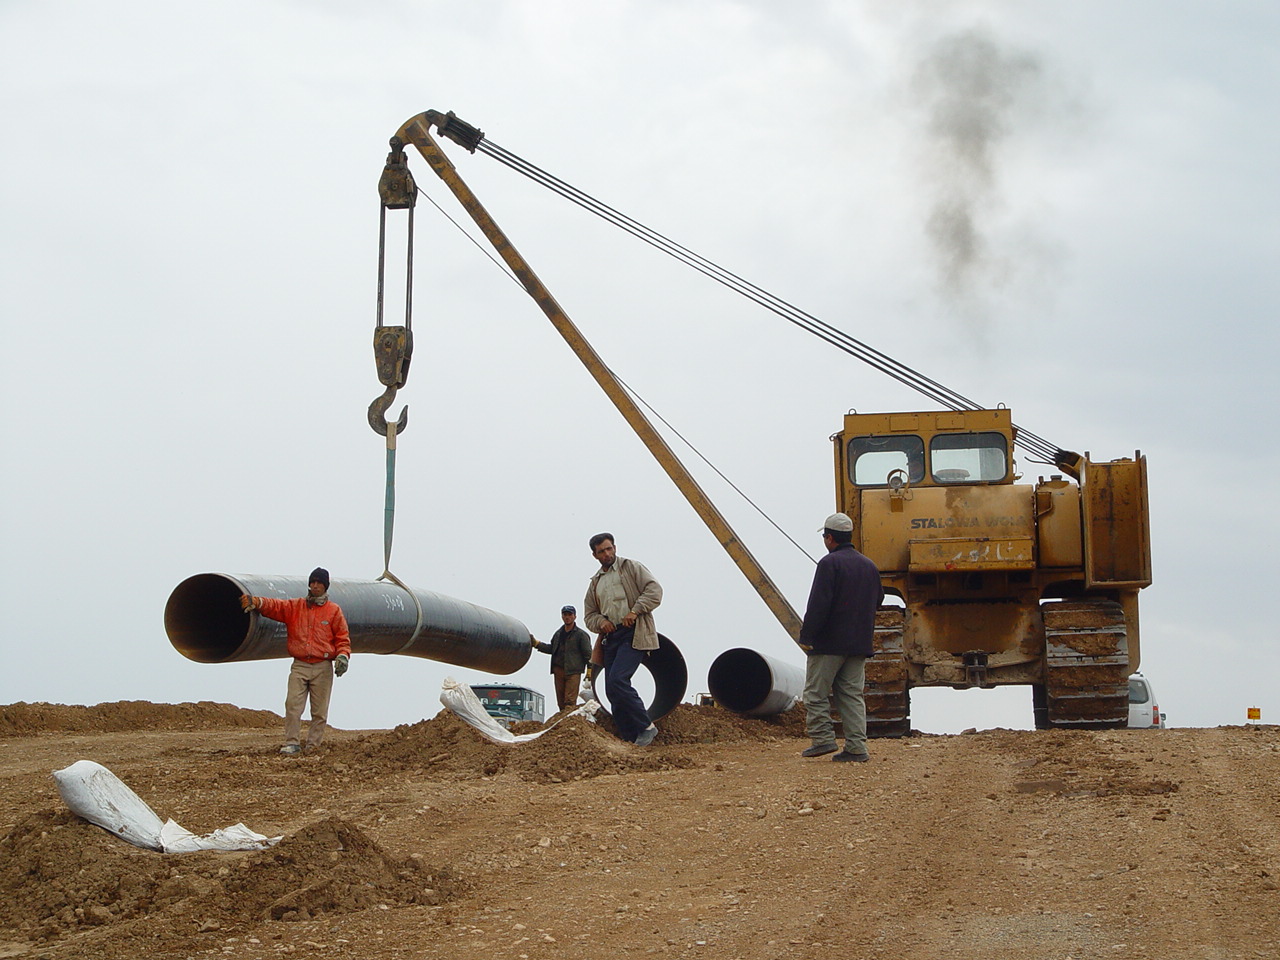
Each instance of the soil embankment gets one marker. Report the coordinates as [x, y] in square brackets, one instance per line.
[717, 842]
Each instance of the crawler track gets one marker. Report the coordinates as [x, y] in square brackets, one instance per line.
[887, 697]
[1086, 665]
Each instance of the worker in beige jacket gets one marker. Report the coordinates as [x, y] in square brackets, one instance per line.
[619, 608]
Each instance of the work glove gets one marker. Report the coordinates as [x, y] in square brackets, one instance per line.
[533, 641]
[340, 665]
[247, 603]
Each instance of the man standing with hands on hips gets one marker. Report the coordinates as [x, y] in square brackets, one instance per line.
[619, 607]
[320, 645]
[837, 636]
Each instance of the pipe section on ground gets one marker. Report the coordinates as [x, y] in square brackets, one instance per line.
[670, 679]
[205, 623]
[752, 684]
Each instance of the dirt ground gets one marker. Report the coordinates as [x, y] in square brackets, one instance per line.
[719, 841]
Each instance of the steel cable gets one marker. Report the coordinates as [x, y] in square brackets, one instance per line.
[899, 371]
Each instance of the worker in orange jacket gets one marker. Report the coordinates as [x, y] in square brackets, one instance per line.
[320, 644]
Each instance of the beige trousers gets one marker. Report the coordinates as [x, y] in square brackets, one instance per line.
[567, 685]
[830, 677]
[308, 680]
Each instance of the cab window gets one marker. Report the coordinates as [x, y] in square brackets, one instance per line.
[1138, 691]
[969, 457]
[873, 459]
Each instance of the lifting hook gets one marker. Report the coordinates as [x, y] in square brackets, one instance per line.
[392, 351]
[378, 414]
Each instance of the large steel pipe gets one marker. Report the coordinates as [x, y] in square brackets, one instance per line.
[750, 683]
[205, 623]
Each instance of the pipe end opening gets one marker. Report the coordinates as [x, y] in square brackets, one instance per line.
[670, 679]
[203, 618]
[740, 680]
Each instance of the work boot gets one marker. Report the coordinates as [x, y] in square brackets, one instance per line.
[819, 749]
[291, 749]
[646, 736]
[844, 756]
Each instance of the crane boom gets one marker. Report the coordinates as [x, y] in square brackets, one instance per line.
[417, 131]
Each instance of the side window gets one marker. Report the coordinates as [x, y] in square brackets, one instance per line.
[872, 459]
[969, 457]
[1137, 691]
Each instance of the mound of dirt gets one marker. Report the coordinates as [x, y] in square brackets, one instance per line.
[574, 749]
[27, 719]
[712, 724]
[333, 867]
[59, 874]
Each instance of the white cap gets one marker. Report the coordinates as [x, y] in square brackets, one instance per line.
[839, 522]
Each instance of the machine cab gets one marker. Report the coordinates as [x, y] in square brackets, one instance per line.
[931, 449]
[934, 493]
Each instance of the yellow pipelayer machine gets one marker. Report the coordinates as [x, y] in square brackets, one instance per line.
[1003, 582]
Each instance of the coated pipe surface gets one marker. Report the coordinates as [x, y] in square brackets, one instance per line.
[205, 623]
[750, 683]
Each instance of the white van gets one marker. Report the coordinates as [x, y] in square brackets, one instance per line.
[1144, 714]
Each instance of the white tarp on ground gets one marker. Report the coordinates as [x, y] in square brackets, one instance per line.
[462, 700]
[93, 792]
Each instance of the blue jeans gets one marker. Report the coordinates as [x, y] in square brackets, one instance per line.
[620, 663]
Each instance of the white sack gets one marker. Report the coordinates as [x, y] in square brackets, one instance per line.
[93, 792]
[462, 700]
[176, 839]
[96, 794]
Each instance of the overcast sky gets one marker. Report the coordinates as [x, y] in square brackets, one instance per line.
[1067, 208]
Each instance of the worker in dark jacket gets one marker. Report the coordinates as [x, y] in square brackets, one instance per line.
[570, 650]
[837, 635]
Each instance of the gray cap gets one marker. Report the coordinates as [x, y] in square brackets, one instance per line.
[839, 522]
[568, 608]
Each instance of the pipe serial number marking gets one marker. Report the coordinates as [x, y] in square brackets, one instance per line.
[393, 602]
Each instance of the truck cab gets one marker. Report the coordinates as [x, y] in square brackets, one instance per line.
[508, 703]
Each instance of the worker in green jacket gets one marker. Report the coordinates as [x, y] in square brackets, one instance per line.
[570, 649]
